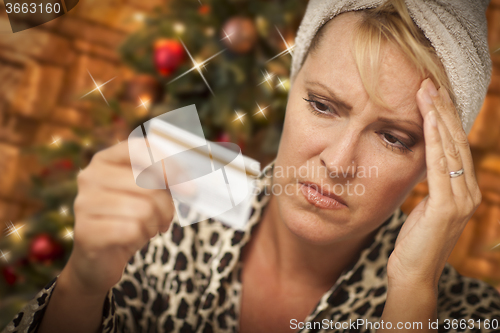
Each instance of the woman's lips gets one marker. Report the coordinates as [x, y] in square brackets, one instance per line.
[320, 198]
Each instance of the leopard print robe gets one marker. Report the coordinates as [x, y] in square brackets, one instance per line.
[188, 279]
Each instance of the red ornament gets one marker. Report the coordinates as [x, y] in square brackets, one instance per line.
[64, 164]
[168, 55]
[9, 275]
[117, 120]
[44, 248]
[239, 34]
[44, 172]
[241, 144]
[223, 137]
[204, 9]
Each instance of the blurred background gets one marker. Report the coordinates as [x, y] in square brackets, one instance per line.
[82, 82]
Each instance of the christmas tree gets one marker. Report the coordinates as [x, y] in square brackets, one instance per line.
[229, 58]
[36, 249]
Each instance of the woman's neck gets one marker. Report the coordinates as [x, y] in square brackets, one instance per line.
[288, 256]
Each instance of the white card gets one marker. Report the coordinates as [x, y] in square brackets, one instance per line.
[214, 179]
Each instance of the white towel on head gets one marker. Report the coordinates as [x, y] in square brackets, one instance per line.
[456, 29]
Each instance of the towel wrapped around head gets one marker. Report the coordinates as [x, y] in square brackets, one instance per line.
[455, 28]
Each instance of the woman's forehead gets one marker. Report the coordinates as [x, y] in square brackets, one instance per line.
[333, 64]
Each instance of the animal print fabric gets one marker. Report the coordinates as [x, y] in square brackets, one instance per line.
[188, 280]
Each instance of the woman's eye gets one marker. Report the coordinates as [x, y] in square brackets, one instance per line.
[321, 107]
[391, 138]
[317, 107]
[393, 142]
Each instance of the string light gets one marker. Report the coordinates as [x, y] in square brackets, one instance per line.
[98, 87]
[267, 78]
[69, 234]
[227, 36]
[239, 116]
[287, 50]
[139, 17]
[197, 67]
[179, 28]
[261, 110]
[63, 210]
[4, 256]
[56, 141]
[11, 229]
[143, 103]
[281, 83]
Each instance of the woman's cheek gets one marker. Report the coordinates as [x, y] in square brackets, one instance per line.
[390, 185]
[291, 137]
[300, 136]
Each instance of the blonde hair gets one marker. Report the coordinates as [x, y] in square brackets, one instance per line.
[391, 23]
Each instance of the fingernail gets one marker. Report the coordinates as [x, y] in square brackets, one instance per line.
[432, 118]
[431, 88]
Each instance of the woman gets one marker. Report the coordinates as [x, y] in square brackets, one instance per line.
[325, 249]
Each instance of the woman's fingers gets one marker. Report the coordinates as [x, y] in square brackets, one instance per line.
[453, 158]
[449, 115]
[430, 100]
[454, 161]
[109, 178]
[437, 168]
[124, 205]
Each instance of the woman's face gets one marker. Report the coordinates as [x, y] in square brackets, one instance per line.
[346, 144]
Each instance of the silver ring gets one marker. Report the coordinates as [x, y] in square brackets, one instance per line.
[454, 174]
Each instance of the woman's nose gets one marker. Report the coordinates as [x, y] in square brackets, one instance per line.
[340, 156]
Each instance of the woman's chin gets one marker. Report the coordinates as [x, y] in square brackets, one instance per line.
[315, 228]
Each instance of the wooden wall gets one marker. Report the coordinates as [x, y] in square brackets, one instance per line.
[43, 73]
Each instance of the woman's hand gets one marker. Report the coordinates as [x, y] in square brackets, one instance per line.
[429, 234]
[113, 219]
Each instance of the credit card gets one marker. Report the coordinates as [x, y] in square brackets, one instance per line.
[215, 180]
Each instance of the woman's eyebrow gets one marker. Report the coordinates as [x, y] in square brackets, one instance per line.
[391, 121]
[333, 96]
[348, 107]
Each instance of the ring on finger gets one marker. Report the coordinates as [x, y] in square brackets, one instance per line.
[454, 174]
